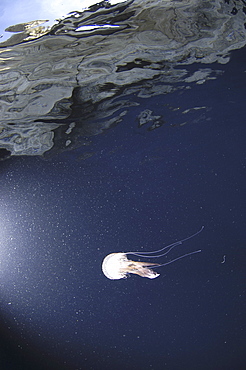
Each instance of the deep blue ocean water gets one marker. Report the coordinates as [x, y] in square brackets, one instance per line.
[141, 189]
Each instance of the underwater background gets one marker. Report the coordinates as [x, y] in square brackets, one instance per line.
[122, 128]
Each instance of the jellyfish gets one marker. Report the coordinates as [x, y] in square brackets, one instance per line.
[117, 266]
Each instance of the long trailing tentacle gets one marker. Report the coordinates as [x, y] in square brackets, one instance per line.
[169, 247]
[178, 258]
[158, 255]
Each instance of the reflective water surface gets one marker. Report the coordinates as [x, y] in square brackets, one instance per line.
[83, 74]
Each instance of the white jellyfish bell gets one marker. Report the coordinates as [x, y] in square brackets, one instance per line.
[117, 266]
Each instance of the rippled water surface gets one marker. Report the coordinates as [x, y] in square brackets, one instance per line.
[81, 76]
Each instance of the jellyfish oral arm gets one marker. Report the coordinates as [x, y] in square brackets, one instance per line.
[142, 269]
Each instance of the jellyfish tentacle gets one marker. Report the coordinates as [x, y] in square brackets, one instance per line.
[178, 258]
[162, 249]
[146, 254]
[158, 255]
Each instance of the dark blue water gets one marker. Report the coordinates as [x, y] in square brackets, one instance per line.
[63, 215]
